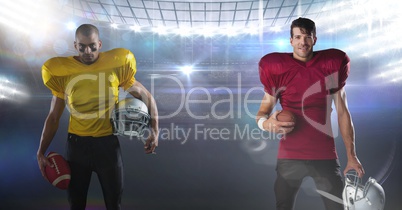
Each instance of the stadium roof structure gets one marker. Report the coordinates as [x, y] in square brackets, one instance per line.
[196, 15]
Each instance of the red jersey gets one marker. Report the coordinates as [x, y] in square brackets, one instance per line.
[305, 89]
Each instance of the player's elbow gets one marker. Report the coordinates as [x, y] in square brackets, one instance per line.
[136, 92]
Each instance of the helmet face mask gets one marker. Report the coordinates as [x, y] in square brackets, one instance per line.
[130, 118]
[357, 196]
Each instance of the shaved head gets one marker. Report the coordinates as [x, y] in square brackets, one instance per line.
[87, 30]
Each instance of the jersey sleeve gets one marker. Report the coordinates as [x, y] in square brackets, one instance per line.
[126, 76]
[269, 76]
[342, 73]
[265, 78]
[55, 84]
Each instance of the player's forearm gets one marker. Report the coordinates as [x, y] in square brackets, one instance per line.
[348, 133]
[263, 114]
[267, 105]
[154, 114]
[345, 123]
[153, 110]
[140, 92]
[49, 131]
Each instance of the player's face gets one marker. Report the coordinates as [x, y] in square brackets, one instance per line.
[88, 47]
[302, 44]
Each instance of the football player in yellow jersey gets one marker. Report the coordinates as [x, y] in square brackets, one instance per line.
[88, 84]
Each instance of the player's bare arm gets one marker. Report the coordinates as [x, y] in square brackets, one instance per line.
[272, 124]
[347, 132]
[49, 130]
[139, 91]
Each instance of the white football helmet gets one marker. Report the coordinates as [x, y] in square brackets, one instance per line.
[356, 196]
[130, 118]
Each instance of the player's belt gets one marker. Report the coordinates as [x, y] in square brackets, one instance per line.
[75, 137]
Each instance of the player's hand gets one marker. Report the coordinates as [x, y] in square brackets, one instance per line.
[151, 143]
[43, 162]
[354, 164]
[275, 126]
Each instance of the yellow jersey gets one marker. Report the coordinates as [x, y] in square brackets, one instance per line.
[90, 91]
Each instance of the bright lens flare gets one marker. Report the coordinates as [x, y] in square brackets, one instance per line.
[187, 69]
[24, 16]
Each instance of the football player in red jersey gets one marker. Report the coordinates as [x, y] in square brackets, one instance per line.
[88, 84]
[306, 82]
